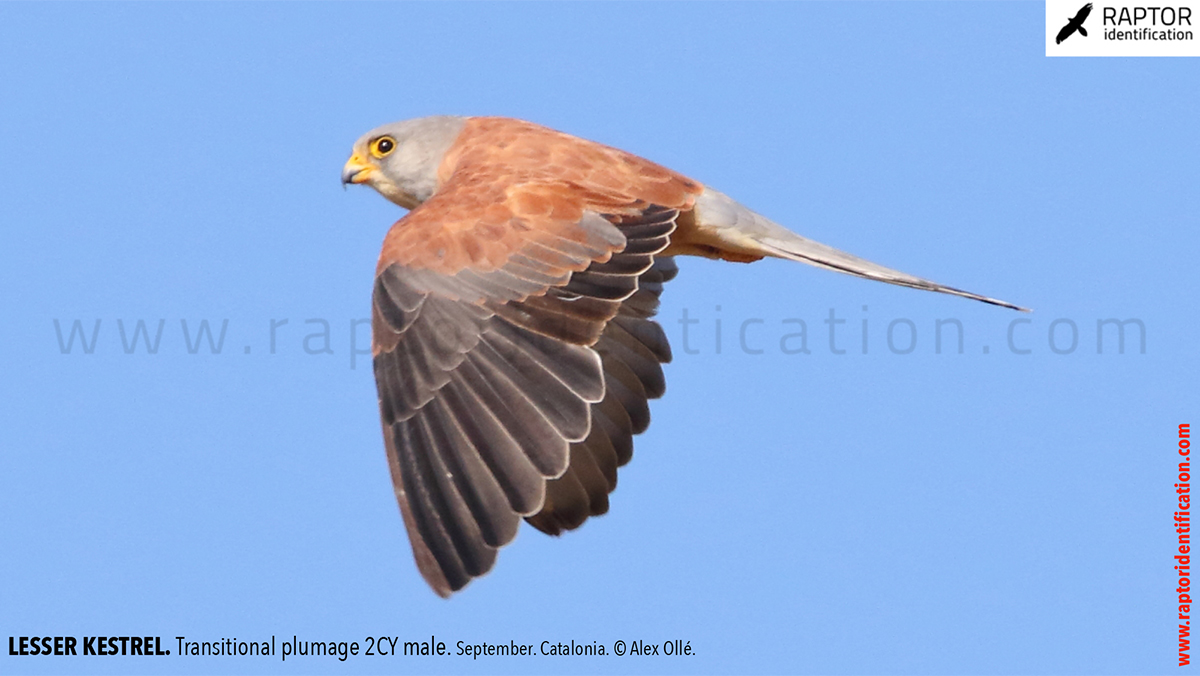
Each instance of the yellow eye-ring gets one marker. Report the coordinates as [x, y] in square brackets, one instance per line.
[382, 146]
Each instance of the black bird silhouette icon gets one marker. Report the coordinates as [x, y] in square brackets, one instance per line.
[1075, 24]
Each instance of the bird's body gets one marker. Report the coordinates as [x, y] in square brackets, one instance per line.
[512, 332]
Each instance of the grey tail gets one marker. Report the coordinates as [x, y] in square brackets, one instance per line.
[736, 227]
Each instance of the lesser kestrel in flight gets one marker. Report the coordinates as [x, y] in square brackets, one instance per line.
[513, 338]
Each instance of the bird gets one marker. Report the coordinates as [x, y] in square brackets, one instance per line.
[513, 339]
[1075, 24]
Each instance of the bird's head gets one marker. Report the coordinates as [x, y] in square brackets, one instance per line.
[400, 160]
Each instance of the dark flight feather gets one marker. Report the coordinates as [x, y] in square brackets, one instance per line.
[516, 392]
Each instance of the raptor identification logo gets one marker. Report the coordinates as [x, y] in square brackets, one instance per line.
[1123, 28]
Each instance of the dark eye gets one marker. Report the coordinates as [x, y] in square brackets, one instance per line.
[382, 146]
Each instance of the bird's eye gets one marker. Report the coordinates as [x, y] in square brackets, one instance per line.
[382, 146]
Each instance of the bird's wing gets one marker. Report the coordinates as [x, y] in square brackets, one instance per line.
[513, 349]
[1083, 14]
[1065, 33]
[632, 349]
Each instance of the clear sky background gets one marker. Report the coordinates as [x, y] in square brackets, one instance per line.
[985, 512]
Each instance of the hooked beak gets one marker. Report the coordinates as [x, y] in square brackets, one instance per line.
[356, 170]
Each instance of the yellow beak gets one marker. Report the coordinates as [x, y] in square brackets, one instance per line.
[356, 170]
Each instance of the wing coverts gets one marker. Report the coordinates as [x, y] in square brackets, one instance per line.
[516, 392]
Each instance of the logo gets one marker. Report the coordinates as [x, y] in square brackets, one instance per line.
[1123, 28]
[1075, 24]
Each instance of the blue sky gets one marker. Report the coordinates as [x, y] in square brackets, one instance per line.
[981, 512]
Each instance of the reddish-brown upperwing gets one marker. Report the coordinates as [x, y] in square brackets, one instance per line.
[514, 349]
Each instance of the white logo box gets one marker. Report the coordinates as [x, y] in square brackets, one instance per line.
[1147, 28]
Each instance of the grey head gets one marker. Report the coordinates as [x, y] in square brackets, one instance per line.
[400, 160]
